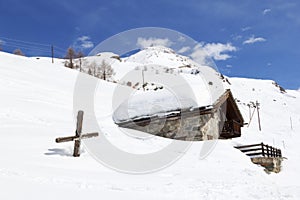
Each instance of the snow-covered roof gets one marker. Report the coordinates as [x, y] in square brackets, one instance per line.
[186, 84]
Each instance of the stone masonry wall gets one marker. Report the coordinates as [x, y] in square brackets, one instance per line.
[270, 164]
[191, 126]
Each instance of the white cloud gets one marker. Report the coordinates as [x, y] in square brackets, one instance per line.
[247, 28]
[84, 42]
[266, 11]
[83, 38]
[148, 42]
[181, 38]
[2, 42]
[184, 49]
[253, 39]
[217, 51]
[229, 66]
[236, 37]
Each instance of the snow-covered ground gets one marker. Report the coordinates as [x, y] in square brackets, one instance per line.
[36, 106]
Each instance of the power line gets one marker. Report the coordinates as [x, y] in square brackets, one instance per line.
[22, 41]
[60, 48]
[28, 48]
[11, 44]
[28, 45]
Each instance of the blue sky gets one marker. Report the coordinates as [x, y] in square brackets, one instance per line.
[257, 39]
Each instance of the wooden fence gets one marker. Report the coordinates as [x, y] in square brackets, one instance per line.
[260, 149]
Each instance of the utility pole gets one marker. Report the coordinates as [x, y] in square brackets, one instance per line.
[251, 117]
[80, 64]
[257, 107]
[249, 110]
[143, 80]
[52, 53]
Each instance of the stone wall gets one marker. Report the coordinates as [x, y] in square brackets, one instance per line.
[270, 164]
[184, 126]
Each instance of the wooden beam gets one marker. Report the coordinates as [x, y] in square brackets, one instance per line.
[65, 139]
[246, 146]
[89, 135]
[72, 138]
[247, 150]
[254, 154]
[76, 152]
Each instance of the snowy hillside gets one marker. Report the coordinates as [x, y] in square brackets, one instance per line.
[36, 106]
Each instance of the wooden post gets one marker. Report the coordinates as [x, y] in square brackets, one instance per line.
[280, 155]
[257, 107]
[268, 154]
[262, 149]
[249, 111]
[251, 117]
[78, 135]
[291, 123]
[52, 53]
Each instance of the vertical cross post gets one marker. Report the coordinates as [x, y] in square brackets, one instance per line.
[78, 134]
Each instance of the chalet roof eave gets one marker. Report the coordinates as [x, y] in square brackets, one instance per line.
[169, 114]
[228, 95]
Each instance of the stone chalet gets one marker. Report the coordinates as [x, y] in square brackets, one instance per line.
[222, 120]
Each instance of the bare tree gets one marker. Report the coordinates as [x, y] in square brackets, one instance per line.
[18, 52]
[80, 56]
[71, 54]
[105, 71]
[90, 72]
[92, 68]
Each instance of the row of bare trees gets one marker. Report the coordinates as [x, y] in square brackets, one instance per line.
[76, 60]
[103, 71]
[71, 55]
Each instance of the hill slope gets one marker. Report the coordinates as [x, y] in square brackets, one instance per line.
[36, 107]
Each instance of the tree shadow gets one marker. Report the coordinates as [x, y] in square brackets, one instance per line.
[57, 151]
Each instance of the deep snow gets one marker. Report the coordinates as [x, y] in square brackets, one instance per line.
[36, 107]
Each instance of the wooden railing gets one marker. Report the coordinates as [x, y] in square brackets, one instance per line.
[260, 150]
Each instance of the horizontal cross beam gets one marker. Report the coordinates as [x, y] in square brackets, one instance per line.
[72, 138]
[78, 136]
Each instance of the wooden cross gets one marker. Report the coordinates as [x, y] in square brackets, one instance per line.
[78, 136]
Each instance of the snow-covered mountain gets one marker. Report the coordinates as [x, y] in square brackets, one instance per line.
[36, 106]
